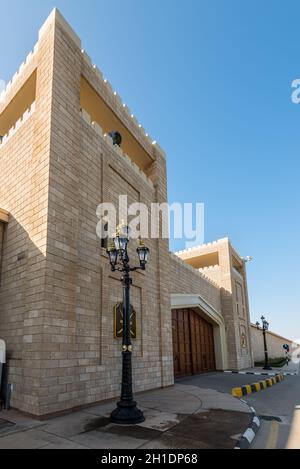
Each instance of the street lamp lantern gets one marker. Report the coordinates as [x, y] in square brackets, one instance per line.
[126, 412]
[121, 239]
[264, 328]
[113, 256]
[143, 253]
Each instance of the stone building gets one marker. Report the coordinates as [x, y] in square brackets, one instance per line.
[218, 274]
[57, 293]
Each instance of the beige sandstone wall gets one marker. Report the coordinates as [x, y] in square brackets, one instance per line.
[56, 302]
[24, 171]
[237, 318]
[274, 344]
[24, 193]
[186, 280]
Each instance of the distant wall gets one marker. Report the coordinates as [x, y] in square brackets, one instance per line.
[274, 344]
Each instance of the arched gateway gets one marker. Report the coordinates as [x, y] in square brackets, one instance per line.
[198, 336]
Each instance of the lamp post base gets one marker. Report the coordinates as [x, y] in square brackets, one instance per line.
[127, 413]
[267, 368]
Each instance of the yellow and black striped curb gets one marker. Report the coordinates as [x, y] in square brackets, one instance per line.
[256, 387]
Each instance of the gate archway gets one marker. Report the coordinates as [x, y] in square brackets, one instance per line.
[199, 338]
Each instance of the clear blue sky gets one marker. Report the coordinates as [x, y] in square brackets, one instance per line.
[211, 81]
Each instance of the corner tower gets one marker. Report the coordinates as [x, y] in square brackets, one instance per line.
[221, 263]
[57, 294]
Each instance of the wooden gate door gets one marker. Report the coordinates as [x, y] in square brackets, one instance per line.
[182, 351]
[193, 343]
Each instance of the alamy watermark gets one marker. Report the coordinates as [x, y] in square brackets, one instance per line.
[295, 96]
[177, 221]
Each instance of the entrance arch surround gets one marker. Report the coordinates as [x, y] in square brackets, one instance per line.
[210, 314]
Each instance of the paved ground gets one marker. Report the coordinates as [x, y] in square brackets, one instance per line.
[221, 382]
[290, 368]
[184, 416]
[278, 406]
[197, 412]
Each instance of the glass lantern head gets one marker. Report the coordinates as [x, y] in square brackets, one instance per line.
[121, 238]
[113, 255]
[143, 253]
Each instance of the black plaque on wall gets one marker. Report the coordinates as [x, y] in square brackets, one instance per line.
[118, 321]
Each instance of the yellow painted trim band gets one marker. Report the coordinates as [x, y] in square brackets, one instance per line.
[248, 388]
[237, 392]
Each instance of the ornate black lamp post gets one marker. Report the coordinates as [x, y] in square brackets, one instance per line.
[126, 411]
[264, 328]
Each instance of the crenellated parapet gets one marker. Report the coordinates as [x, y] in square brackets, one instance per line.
[211, 244]
[4, 95]
[192, 269]
[209, 268]
[119, 107]
[27, 114]
[105, 137]
[88, 68]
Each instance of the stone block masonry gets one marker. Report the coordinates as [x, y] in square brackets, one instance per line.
[219, 263]
[57, 292]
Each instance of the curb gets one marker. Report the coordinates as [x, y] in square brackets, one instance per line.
[284, 373]
[256, 387]
[248, 436]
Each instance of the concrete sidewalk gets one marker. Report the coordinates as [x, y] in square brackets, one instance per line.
[290, 368]
[182, 416]
[286, 370]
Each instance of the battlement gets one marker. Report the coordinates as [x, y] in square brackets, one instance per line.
[193, 269]
[120, 105]
[211, 244]
[207, 255]
[5, 94]
[27, 114]
[209, 268]
[99, 131]
[107, 107]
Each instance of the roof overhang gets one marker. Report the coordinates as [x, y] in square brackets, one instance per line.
[179, 301]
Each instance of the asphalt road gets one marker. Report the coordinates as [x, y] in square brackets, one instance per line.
[278, 406]
[221, 382]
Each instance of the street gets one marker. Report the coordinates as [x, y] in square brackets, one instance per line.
[198, 412]
[176, 417]
[278, 407]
